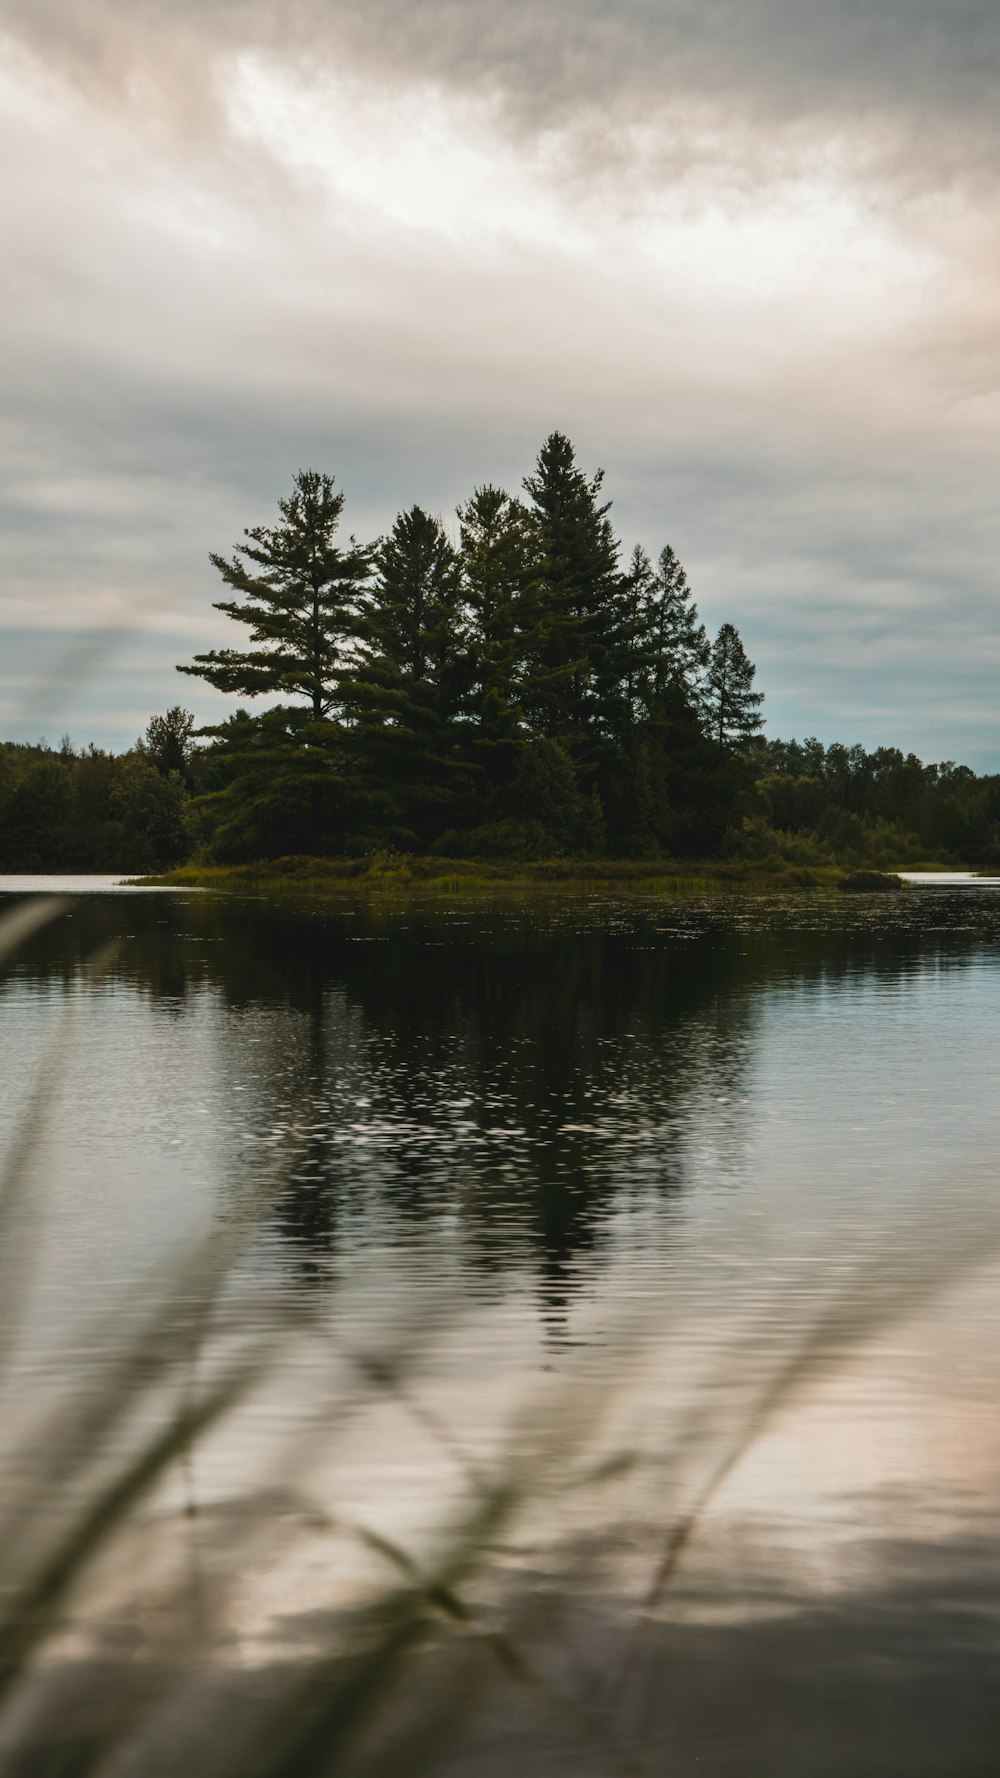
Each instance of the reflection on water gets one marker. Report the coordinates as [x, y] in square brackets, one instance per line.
[721, 1123]
[549, 1088]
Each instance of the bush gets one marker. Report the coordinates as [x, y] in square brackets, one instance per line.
[872, 882]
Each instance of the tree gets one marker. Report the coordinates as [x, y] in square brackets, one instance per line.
[732, 705]
[280, 783]
[495, 558]
[298, 597]
[412, 679]
[575, 626]
[167, 742]
[411, 618]
[678, 645]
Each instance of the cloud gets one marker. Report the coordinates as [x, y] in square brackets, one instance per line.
[745, 255]
[905, 69]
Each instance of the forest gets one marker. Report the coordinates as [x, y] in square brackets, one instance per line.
[516, 690]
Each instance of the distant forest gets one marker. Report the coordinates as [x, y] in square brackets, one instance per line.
[515, 692]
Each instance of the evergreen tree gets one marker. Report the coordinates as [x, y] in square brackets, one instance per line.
[539, 813]
[678, 645]
[575, 633]
[411, 685]
[732, 705]
[298, 597]
[637, 598]
[280, 783]
[411, 619]
[495, 566]
[521, 688]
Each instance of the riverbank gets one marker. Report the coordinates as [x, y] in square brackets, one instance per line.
[465, 876]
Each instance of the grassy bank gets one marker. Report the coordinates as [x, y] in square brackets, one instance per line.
[467, 876]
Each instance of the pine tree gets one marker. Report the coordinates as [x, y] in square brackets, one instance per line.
[636, 600]
[411, 610]
[279, 783]
[678, 645]
[732, 705]
[574, 641]
[298, 597]
[495, 566]
[412, 681]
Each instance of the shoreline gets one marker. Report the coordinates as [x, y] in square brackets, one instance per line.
[447, 876]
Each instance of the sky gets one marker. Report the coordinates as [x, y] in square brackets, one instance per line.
[744, 252]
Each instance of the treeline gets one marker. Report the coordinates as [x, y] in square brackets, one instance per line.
[841, 804]
[95, 811]
[514, 690]
[809, 804]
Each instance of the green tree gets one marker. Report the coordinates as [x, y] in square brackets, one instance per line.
[167, 743]
[410, 688]
[411, 618]
[732, 705]
[298, 597]
[576, 630]
[495, 557]
[145, 817]
[538, 813]
[39, 827]
[677, 643]
[279, 783]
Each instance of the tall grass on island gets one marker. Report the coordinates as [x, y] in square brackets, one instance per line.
[200, 1577]
[388, 870]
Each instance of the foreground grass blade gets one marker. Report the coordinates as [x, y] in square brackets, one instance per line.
[28, 1618]
[880, 1295]
[27, 918]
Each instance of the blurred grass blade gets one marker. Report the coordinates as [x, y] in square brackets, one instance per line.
[314, 1730]
[28, 1618]
[159, 1337]
[16, 928]
[879, 1296]
[27, 918]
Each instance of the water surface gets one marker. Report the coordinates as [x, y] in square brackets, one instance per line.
[700, 1121]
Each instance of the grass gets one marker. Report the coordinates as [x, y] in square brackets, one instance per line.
[446, 877]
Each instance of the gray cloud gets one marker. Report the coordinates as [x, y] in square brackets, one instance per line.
[802, 401]
[918, 72]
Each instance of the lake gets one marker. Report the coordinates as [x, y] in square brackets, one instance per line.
[660, 1145]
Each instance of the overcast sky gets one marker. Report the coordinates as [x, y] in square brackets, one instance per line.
[743, 251]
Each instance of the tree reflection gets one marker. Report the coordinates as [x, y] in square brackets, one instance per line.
[505, 1079]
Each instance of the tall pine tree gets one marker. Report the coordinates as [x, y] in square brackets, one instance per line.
[412, 682]
[574, 639]
[732, 705]
[677, 643]
[411, 617]
[637, 595]
[495, 566]
[298, 596]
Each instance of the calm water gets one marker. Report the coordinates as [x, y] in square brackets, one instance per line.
[701, 1119]
[519, 1096]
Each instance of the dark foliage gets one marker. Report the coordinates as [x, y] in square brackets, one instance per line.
[515, 692]
[91, 811]
[883, 808]
[732, 705]
[297, 596]
[167, 743]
